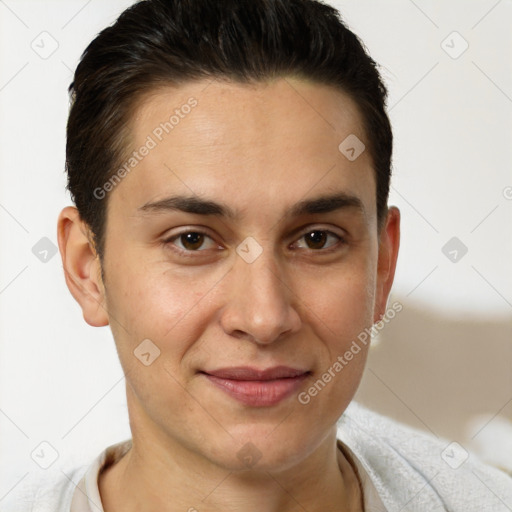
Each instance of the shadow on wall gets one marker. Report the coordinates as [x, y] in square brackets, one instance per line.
[448, 376]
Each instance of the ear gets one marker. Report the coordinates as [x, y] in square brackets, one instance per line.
[389, 243]
[81, 265]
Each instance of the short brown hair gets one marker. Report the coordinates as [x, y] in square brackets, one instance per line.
[157, 42]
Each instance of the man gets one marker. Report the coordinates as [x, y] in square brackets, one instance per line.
[230, 164]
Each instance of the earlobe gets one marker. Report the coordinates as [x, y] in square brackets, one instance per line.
[81, 267]
[389, 243]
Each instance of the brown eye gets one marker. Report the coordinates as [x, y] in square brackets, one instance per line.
[316, 239]
[319, 239]
[192, 241]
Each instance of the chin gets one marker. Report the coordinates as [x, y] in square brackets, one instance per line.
[262, 449]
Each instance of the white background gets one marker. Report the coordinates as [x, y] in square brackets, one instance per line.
[60, 380]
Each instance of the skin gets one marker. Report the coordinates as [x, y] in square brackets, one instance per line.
[259, 149]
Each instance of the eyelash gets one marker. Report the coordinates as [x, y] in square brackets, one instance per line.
[191, 253]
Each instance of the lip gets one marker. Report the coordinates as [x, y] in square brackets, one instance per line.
[257, 388]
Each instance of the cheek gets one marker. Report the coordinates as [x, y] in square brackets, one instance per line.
[340, 304]
[339, 313]
[148, 301]
[136, 300]
[169, 310]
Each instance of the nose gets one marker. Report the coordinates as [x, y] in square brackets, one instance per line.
[261, 306]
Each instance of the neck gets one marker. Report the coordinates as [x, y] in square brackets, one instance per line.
[163, 473]
[146, 479]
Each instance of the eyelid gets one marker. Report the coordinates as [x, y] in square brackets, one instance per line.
[304, 230]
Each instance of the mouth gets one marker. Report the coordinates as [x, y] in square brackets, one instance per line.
[257, 388]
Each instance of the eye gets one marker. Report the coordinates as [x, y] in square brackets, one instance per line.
[191, 241]
[319, 239]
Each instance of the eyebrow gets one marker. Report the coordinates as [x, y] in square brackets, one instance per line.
[198, 206]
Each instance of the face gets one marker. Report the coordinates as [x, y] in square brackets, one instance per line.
[243, 247]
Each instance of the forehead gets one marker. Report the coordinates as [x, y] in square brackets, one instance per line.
[240, 114]
[275, 140]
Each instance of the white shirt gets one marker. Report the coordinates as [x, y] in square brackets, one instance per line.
[401, 470]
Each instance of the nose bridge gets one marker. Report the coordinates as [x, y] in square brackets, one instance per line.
[265, 283]
[261, 305]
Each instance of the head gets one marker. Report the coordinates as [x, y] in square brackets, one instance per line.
[230, 165]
